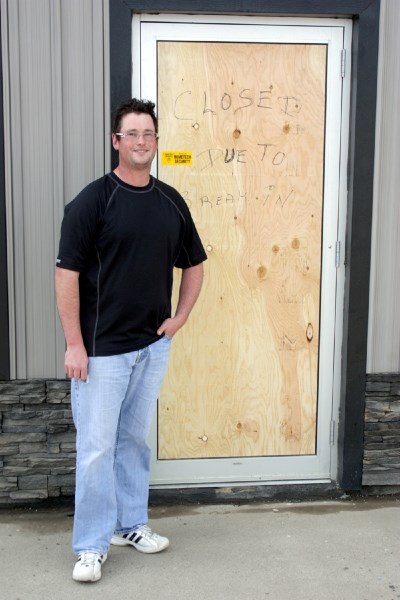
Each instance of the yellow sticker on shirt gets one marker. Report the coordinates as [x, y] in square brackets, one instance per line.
[176, 158]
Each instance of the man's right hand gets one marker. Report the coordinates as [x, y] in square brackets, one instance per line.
[76, 362]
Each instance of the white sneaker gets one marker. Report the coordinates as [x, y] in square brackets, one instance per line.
[142, 538]
[88, 566]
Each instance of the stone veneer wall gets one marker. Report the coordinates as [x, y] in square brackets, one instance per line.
[37, 438]
[37, 441]
[382, 431]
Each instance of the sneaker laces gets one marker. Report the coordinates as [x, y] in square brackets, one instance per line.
[89, 558]
[145, 532]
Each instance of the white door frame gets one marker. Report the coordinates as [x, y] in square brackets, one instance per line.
[336, 34]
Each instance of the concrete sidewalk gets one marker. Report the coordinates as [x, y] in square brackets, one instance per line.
[327, 550]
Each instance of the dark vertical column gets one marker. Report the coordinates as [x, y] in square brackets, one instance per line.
[120, 58]
[358, 246]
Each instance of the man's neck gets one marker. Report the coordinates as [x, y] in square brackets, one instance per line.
[136, 178]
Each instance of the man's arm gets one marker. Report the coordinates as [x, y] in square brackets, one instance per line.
[67, 294]
[192, 279]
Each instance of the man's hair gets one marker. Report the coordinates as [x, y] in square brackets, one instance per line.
[134, 106]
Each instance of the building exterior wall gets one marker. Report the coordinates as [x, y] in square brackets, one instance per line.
[56, 112]
[55, 80]
[56, 96]
[384, 314]
[381, 466]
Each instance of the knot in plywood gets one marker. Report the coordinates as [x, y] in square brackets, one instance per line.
[261, 272]
[295, 244]
[249, 428]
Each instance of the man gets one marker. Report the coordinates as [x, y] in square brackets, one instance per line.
[120, 239]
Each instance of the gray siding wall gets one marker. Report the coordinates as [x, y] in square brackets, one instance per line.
[384, 320]
[56, 90]
[382, 407]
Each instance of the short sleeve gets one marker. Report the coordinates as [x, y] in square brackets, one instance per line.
[79, 228]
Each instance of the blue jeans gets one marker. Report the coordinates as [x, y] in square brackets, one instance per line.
[112, 412]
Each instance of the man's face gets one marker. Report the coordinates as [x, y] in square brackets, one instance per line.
[138, 149]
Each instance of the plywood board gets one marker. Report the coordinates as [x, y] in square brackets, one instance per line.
[242, 139]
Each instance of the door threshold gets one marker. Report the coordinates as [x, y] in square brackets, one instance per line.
[239, 492]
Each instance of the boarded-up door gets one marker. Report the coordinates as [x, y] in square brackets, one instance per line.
[242, 137]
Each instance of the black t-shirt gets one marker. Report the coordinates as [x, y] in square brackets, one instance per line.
[125, 241]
